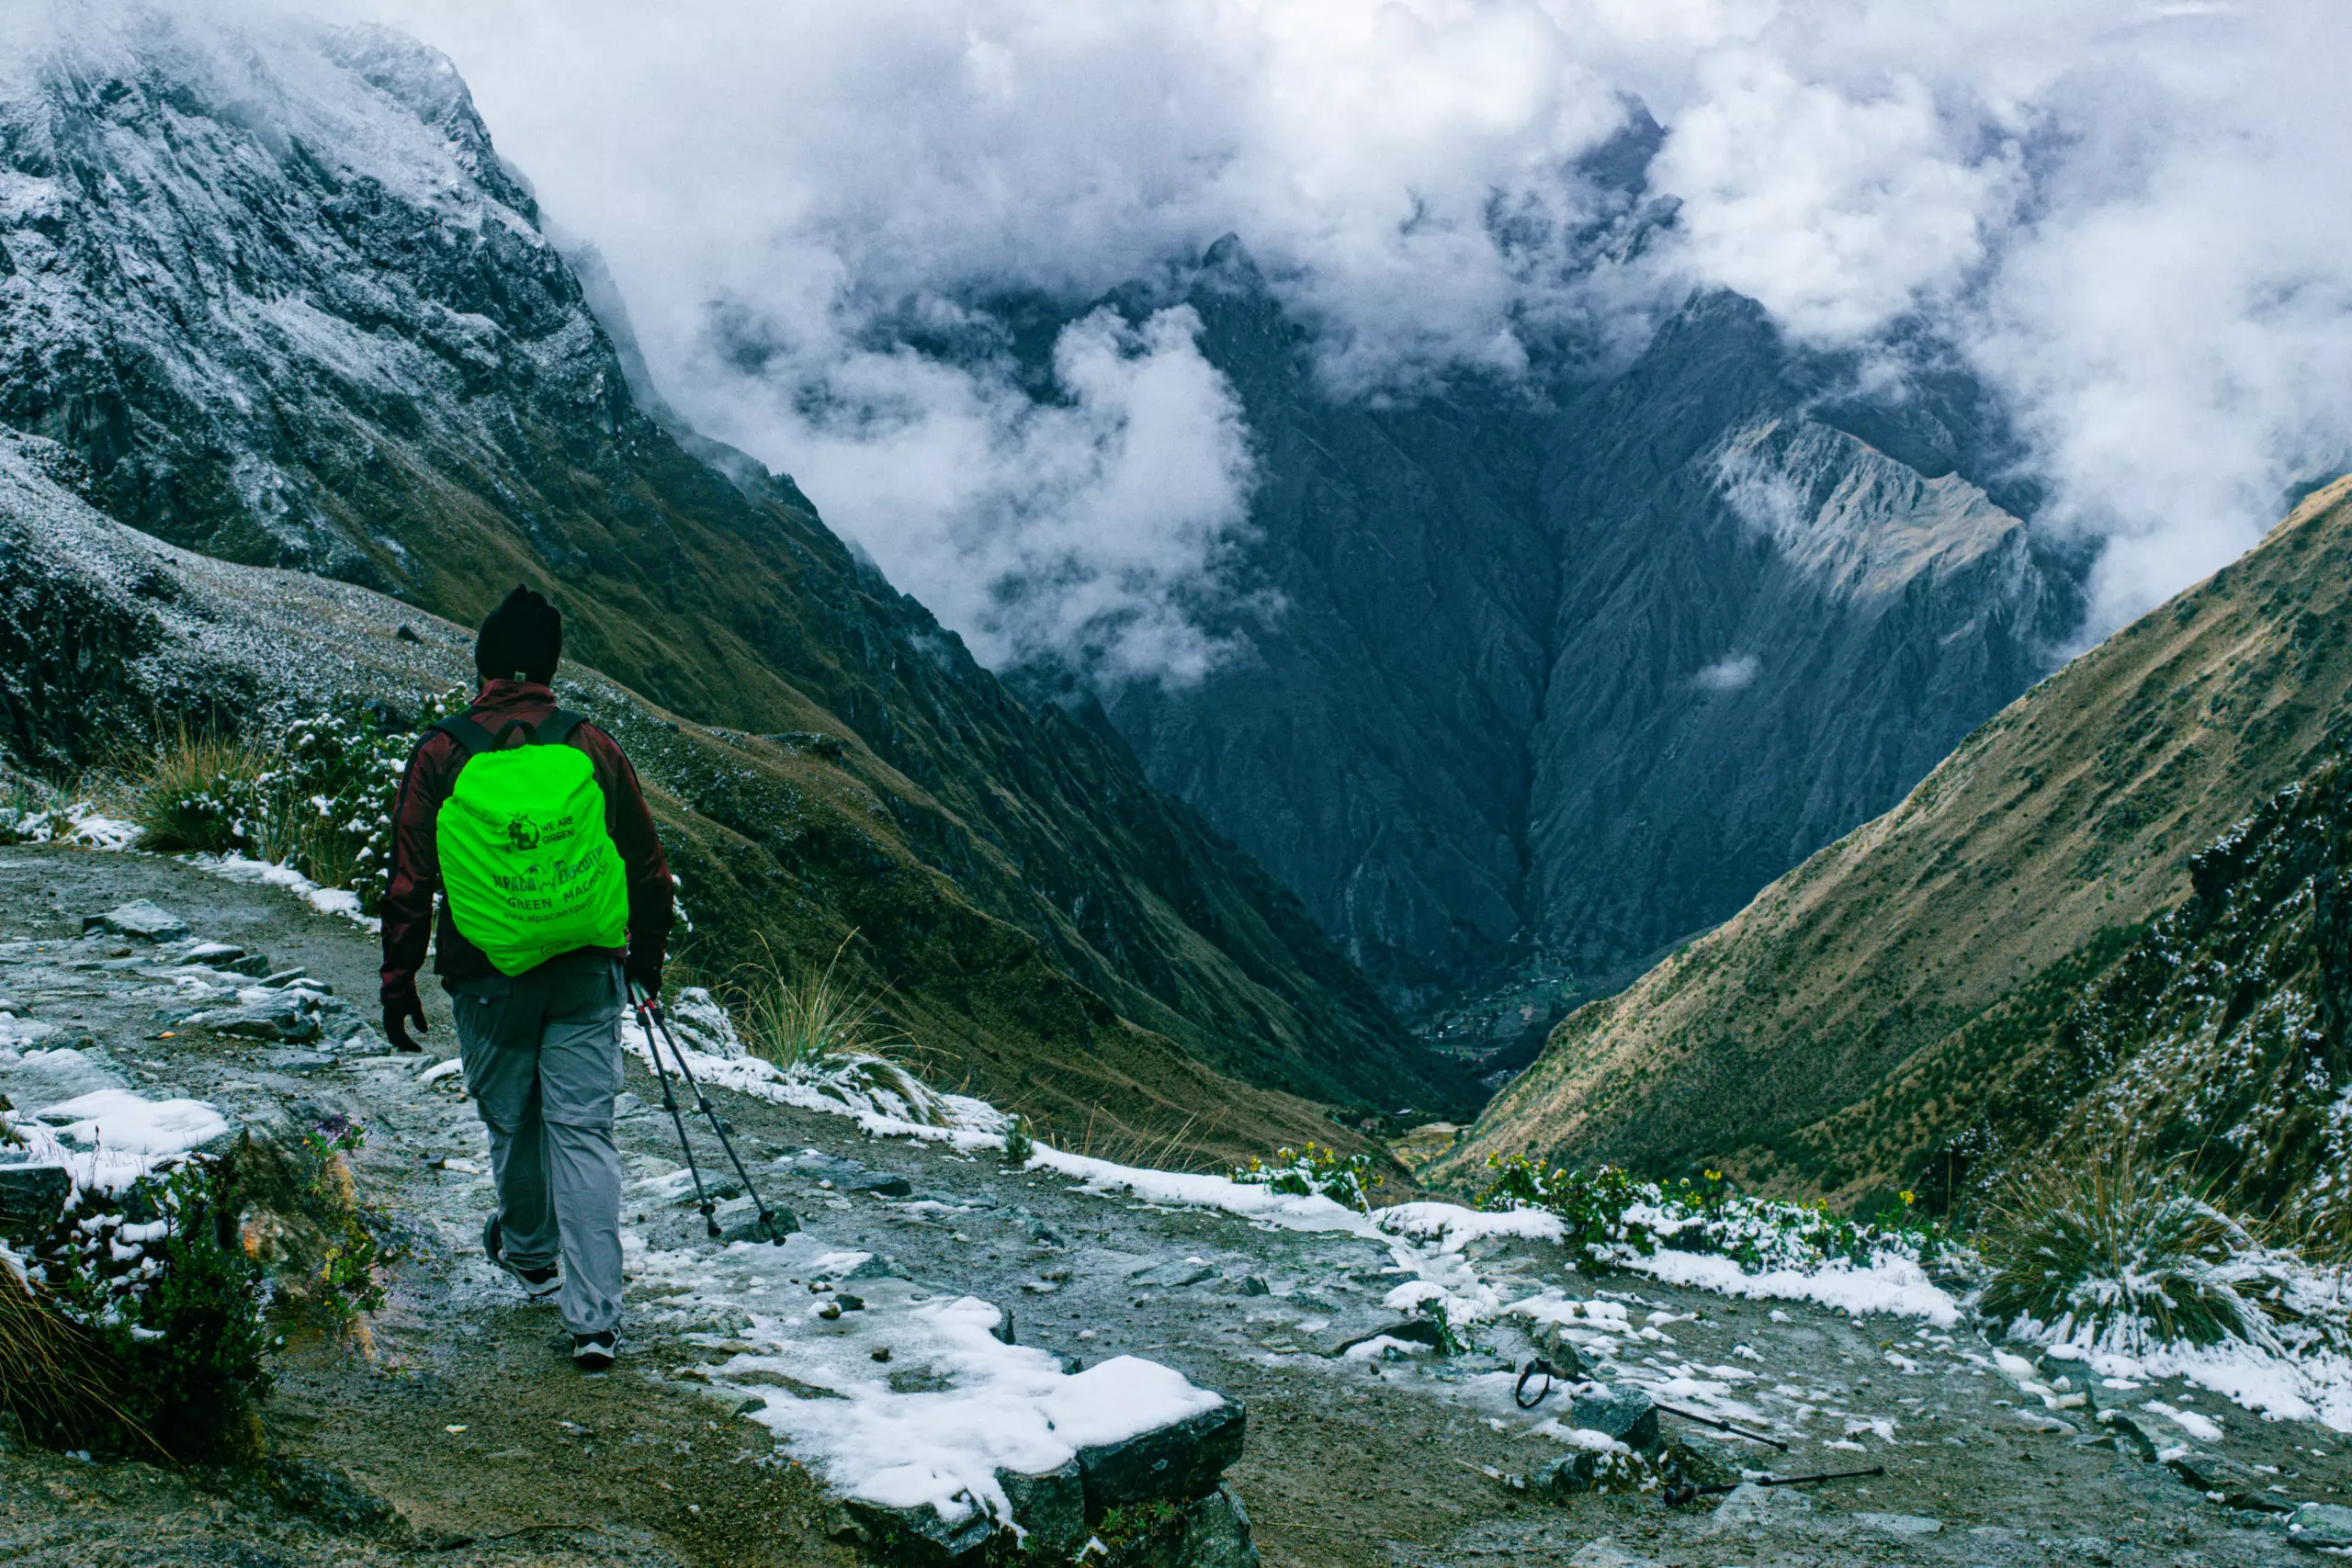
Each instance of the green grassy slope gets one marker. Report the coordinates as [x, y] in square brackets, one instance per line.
[1878, 1002]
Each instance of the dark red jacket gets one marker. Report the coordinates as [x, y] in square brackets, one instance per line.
[416, 864]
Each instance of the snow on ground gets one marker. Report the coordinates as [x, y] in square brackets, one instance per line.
[339, 901]
[907, 1399]
[109, 1139]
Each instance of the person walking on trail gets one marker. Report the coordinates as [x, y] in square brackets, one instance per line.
[554, 898]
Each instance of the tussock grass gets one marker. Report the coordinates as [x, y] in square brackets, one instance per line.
[2132, 1253]
[54, 1376]
[828, 1024]
[193, 792]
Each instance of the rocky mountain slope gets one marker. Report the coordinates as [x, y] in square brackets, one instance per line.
[1566, 669]
[282, 303]
[2064, 929]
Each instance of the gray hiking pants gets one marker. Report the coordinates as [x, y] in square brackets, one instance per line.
[543, 1060]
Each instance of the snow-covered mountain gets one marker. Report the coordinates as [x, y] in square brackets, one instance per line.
[279, 295]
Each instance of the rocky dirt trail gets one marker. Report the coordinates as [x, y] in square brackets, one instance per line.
[456, 1412]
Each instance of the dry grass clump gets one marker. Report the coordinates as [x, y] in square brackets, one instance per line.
[54, 1376]
[827, 1025]
[2132, 1253]
[202, 790]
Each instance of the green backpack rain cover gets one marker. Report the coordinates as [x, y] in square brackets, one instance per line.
[527, 862]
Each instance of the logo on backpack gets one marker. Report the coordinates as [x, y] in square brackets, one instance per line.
[522, 834]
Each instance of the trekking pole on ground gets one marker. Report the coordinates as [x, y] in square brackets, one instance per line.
[1722, 1426]
[648, 1009]
[670, 1104]
[1678, 1495]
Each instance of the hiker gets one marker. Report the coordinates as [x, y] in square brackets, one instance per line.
[554, 898]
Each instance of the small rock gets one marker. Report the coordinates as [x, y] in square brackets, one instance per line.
[1170, 1276]
[1255, 1285]
[284, 978]
[881, 1183]
[787, 1222]
[1900, 1524]
[2210, 1472]
[1606, 1553]
[364, 1041]
[288, 1016]
[848, 1303]
[2131, 1433]
[1750, 1504]
[216, 954]
[932, 1537]
[878, 1267]
[1411, 1330]
[138, 919]
[303, 1063]
[830, 1311]
[881, 1353]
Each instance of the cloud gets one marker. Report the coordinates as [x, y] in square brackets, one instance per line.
[1727, 675]
[2120, 211]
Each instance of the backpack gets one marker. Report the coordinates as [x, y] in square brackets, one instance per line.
[527, 863]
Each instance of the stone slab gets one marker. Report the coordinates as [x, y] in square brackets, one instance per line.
[1180, 1461]
[140, 918]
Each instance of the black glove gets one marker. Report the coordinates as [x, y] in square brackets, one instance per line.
[397, 1013]
[644, 971]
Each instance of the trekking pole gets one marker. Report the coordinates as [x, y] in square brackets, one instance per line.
[647, 1008]
[1678, 1495]
[1722, 1426]
[670, 1104]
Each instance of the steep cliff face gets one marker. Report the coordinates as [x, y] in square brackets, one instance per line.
[2117, 905]
[284, 300]
[1561, 677]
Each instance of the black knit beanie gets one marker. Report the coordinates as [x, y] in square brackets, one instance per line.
[522, 639]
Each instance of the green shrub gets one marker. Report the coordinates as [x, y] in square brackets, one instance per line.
[1320, 1172]
[1020, 1145]
[2111, 1248]
[363, 1240]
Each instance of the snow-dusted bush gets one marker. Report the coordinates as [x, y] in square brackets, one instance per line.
[1609, 1215]
[1317, 1171]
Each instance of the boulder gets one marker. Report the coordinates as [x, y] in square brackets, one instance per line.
[1050, 1507]
[291, 1017]
[1411, 1330]
[138, 919]
[919, 1536]
[42, 1078]
[1625, 1414]
[329, 1496]
[2322, 1524]
[1216, 1532]
[31, 1197]
[1180, 1462]
[881, 1183]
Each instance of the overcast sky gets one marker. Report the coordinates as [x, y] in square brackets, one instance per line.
[2129, 213]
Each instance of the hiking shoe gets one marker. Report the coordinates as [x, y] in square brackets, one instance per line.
[537, 1283]
[594, 1352]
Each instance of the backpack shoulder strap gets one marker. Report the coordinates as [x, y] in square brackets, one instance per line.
[470, 737]
[557, 727]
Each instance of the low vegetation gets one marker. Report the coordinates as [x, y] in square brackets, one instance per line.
[2117, 1251]
[1317, 1171]
[317, 796]
[829, 1026]
[1611, 1215]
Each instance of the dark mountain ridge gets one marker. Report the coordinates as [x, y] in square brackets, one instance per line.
[1566, 666]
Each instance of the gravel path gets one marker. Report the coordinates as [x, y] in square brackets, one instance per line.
[459, 1409]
